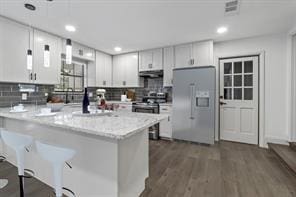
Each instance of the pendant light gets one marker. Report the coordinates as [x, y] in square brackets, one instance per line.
[46, 56]
[68, 51]
[29, 59]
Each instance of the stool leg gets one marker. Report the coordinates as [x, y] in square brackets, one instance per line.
[58, 173]
[21, 182]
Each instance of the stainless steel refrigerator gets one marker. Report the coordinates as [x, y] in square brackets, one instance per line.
[194, 104]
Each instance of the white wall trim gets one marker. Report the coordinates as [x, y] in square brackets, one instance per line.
[261, 108]
[291, 85]
[276, 140]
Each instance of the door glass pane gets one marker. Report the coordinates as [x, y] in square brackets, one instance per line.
[237, 93]
[227, 81]
[237, 80]
[248, 93]
[78, 84]
[248, 67]
[237, 67]
[248, 80]
[228, 68]
[227, 93]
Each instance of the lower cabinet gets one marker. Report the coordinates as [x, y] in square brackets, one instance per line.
[165, 126]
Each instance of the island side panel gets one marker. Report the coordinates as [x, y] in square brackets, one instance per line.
[95, 170]
[133, 164]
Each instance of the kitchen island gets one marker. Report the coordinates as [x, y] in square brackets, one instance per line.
[111, 150]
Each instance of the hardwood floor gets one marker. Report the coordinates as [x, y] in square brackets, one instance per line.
[180, 169]
[224, 170]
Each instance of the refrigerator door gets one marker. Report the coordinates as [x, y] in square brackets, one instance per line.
[194, 104]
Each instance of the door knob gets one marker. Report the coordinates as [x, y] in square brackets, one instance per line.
[222, 103]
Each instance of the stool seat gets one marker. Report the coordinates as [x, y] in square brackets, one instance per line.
[18, 142]
[57, 156]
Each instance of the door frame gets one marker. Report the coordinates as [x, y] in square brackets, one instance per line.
[291, 77]
[261, 94]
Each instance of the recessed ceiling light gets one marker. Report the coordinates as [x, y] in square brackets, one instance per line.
[88, 54]
[135, 56]
[70, 28]
[222, 30]
[117, 49]
[30, 6]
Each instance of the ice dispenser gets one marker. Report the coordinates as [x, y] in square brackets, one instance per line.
[202, 99]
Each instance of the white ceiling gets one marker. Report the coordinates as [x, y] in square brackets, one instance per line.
[143, 24]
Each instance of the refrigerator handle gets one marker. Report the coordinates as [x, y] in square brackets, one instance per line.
[192, 88]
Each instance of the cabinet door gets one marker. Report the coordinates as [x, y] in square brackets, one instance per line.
[91, 74]
[168, 66]
[146, 60]
[183, 55]
[165, 127]
[108, 70]
[157, 59]
[131, 70]
[203, 53]
[118, 70]
[14, 43]
[100, 69]
[51, 74]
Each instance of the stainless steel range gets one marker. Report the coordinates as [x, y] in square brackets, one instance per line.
[148, 107]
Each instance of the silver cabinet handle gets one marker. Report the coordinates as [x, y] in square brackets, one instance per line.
[31, 76]
[192, 88]
[104, 82]
[124, 83]
[35, 76]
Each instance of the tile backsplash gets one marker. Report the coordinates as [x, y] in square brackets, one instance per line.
[10, 93]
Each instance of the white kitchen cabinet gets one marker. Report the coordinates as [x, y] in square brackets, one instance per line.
[51, 74]
[80, 51]
[194, 54]
[168, 66]
[14, 43]
[203, 53]
[183, 55]
[165, 126]
[91, 74]
[103, 69]
[151, 60]
[125, 70]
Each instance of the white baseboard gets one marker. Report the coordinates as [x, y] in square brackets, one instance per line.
[276, 140]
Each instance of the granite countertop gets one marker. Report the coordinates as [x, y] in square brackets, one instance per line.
[118, 125]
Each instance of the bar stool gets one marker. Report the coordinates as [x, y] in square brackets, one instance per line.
[57, 156]
[3, 182]
[19, 144]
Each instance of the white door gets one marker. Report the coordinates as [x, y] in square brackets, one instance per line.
[239, 100]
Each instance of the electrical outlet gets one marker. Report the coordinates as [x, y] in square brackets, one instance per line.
[24, 96]
[90, 94]
[45, 94]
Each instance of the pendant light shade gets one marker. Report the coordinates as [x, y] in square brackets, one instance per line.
[68, 51]
[29, 59]
[46, 56]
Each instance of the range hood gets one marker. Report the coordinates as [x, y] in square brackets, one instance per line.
[151, 74]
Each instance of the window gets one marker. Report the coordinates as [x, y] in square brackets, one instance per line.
[72, 77]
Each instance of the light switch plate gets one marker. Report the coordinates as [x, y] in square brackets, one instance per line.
[90, 95]
[24, 96]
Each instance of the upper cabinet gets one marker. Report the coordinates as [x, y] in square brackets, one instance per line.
[151, 60]
[42, 74]
[14, 43]
[103, 69]
[168, 66]
[194, 54]
[125, 70]
[80, 51]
